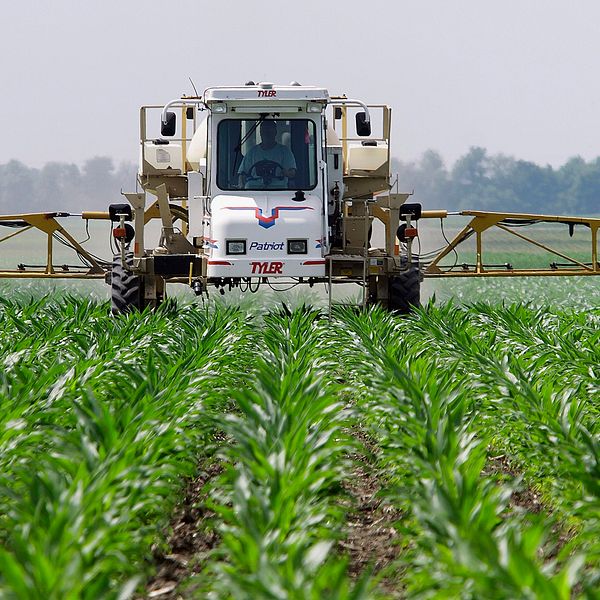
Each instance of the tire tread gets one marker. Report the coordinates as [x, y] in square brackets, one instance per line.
[126, 288]
[405, 291]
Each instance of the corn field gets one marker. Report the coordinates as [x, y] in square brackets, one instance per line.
[451, 454]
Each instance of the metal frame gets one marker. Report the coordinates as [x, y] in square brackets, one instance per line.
[47, 223]
[483, 221]
[358, 186]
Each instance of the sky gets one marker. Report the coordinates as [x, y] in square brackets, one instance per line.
[519, 77]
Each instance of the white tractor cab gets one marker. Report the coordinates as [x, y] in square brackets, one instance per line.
[261, 183]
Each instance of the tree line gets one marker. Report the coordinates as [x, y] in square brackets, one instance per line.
[498, 182]
[64, 187]
[477, 180]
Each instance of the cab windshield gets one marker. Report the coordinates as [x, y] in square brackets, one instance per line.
[266, 154]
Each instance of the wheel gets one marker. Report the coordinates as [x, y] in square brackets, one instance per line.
[405, 290]
[127, 289]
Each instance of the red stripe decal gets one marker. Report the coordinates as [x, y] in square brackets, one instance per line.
[220, 263]
[313, 262]
[265, 221]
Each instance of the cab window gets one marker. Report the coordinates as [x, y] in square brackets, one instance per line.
[266, 154]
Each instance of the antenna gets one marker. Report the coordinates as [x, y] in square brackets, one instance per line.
[195, 90]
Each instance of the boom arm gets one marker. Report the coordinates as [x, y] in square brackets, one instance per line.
[483, 221]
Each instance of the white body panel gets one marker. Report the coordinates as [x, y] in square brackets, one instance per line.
[197, 207]
[266, 221]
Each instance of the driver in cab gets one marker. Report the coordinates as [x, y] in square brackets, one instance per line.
[269, 164]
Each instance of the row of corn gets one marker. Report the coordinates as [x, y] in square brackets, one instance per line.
[279, 499]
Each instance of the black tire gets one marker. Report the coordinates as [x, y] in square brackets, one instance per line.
[127, 289]
[405, 291]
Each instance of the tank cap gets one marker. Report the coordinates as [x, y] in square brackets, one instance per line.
[265, 85]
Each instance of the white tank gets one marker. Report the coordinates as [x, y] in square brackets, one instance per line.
[165, 157]
[365, 159]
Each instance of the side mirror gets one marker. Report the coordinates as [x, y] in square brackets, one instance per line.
[363, 127]
[168, 128]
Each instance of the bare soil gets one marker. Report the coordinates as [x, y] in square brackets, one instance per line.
[527, 499]
[191, 540]
[371, 541]
[523, 498]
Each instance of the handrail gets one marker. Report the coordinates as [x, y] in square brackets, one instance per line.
[351, 102]
[179, 102]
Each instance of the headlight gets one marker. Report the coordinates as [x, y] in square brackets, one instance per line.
[236, 246]
[297, 246]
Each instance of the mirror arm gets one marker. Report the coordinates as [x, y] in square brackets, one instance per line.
[350, 102]
[178, 102]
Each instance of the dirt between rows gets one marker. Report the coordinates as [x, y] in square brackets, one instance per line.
[191, 539]
[522, 498]
[528, 500]
[371, 541]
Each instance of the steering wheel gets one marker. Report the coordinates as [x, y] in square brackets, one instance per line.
[265, 170]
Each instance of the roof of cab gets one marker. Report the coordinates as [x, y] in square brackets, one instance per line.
[265, 91]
